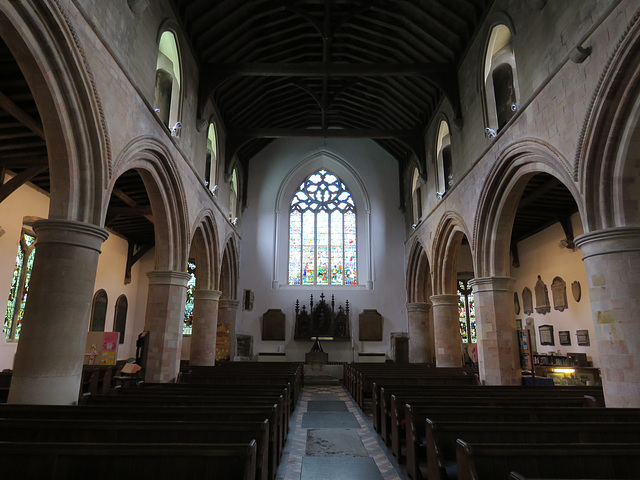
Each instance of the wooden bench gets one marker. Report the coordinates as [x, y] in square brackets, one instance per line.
[159, 431]
[415, 419]
[400, 386]
[491, 461]
[134, 413]
[128, 461]
[230, 403]
[441, 438]
[399, 422]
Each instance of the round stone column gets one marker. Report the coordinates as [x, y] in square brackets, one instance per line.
[421, 347]
[48, 362]
[164, 321]
[227, 310]
[205, 325]
[612, 262]
[446, 330]
[498, 351]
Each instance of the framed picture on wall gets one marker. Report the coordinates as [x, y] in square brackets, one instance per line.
[583, 338]
[546, 334]
[565, 337]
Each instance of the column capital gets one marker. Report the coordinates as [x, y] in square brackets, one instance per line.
[228, 303]
[437, 300]
[168, 277]
[418, 306]
[207, 295]
[491, 284]
[70, 232]
[610, 240]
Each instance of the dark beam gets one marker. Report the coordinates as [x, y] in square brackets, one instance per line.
[132, 257]
[129, 201]
[538, 193]
[19, 114]
[327, 132]
[21, 162]
[20, 179]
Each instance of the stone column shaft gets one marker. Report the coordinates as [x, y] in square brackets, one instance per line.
[205, 325]
[446, 330]
[498, 351]
[421, 347]
[612, 262]
[164, 320]
[48, 363]
[227, 310]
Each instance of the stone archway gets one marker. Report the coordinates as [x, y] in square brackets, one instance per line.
[228, 305]
[419, 291]
[42, 41]
[608, 170]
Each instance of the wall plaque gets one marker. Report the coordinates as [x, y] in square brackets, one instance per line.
[527, 301]
[516, 303]
[542, 297]
[370, 323]
[576, 290]
[244, 344]
[583, 338]
[546, 335]
[565, 337]
[273, 324]
[559, 292]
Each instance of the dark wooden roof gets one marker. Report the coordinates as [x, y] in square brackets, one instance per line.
[329, 68]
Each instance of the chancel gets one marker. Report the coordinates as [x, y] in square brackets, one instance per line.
[204, 205]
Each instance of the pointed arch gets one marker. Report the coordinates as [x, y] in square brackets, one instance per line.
[446, 247]
[605, 164]
[419, 287]
[43, 42]
[204, 247]
[161, 178]
[500, 197]
[99, 311]
[229, 270]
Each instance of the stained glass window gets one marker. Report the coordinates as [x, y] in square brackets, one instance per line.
[19, 287]
[322, 233]
[188, 307]
[99, 311]
[467, 313]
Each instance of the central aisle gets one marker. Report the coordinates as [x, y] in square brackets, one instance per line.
[331, 439]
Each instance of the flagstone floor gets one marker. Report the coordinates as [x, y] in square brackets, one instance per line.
[331, 439]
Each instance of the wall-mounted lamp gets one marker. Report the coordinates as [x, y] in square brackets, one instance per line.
[176, 128]
[490, 132]
[515, 106]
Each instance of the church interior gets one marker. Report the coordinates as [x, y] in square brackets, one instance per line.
[338, 189]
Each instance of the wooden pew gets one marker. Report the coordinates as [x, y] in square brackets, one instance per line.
[400, 386]
[195, 413]
[415, 418]
[129, 461]
[230, 402]
[399, 422]
[110, 431]
[441, 438]
[491, 461]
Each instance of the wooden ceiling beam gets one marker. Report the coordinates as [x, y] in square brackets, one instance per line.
[20, 179]
[22, 162]
[19, 114]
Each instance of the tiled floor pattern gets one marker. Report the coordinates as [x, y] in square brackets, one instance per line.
[293, 459]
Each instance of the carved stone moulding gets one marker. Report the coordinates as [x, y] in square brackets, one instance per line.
[527, 301]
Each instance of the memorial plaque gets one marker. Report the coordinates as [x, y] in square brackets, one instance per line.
[273, 324]
[370, 326]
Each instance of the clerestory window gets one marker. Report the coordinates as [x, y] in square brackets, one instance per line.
[322, 233]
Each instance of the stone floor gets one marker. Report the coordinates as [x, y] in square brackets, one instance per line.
[331, 439]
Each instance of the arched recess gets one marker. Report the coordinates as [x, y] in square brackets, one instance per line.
[229, 270]
[446, 247]
[166, 194]
[44, 44]
[606, 165]
[419, 312]
[98, 311]
[500, 197]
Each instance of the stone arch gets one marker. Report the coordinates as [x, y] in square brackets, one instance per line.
[418, 274]
[204, 246]
[446, 246]
[229, 270]
[45, 45]
[605, 166]
[166, 194]
[500, 196]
